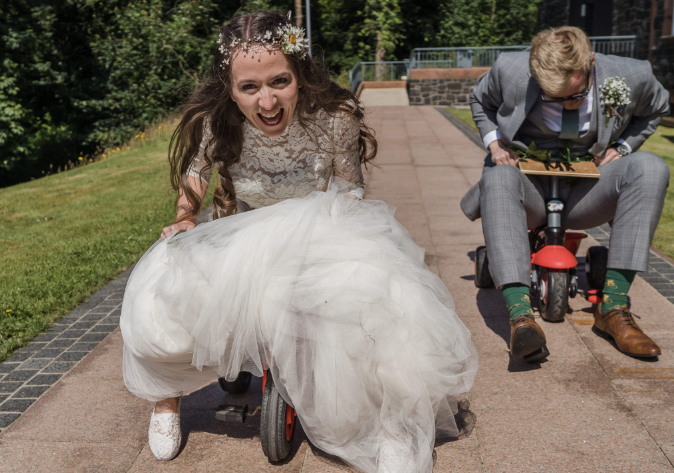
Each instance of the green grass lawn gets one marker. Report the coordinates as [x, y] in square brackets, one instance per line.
[64, 236]
[465, 115]
[660, 143]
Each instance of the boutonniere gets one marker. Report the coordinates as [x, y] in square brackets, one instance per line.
[614, 93]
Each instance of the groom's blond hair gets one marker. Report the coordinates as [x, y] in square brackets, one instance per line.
[556, 53]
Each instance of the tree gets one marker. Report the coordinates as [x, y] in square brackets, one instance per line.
[486, 23]
[77, 75]
[298, 13]
[382, 27]
[46, 65]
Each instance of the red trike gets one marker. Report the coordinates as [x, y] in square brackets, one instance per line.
[553, 263]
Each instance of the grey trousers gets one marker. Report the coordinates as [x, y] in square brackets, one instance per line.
[630, 194]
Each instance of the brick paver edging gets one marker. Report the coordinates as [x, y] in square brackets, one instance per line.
[33, 369]
[471, 134]
[660, 272]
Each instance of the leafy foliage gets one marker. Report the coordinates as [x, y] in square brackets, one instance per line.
[151, 59]
[78, 76]
[565, 153]
[486, 22]
[336, 32]
[381, 26]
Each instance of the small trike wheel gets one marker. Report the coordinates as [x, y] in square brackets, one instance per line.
[553, 294]
[596, 260]
[482, 275]
[277, 423]
[238, 386]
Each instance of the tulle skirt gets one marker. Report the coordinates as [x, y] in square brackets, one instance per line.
[330, 293]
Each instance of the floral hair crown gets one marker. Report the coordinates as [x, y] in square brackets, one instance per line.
[289, 38]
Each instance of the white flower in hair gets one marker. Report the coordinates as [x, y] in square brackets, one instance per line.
[293, 40]
[289, 38]
[614, 93]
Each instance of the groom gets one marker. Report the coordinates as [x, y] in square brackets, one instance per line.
[548, 94]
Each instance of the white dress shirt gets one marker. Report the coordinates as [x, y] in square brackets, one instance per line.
[552, 117]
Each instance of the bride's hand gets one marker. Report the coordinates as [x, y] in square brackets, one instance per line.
[176, 227]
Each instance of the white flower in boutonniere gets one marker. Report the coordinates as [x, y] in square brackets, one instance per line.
[614, 93]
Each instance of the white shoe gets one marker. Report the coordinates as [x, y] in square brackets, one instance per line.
[164, 434]
[395, 457]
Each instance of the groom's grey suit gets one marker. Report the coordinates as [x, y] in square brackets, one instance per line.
[630, 192]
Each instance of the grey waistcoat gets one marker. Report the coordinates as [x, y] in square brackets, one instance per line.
[534, 129]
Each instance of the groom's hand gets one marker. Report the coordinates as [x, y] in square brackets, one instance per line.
[611, 154]
[501, 154]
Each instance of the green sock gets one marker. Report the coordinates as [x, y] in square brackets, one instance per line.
[618, 282]
[517, 300]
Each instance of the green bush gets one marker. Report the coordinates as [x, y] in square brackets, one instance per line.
[77, 76]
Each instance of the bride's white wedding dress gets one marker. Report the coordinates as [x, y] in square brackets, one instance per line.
[327, 290]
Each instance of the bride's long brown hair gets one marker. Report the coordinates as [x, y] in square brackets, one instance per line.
[212, 103]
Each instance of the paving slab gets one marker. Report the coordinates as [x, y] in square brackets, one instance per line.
[384, 97]
[588, 408]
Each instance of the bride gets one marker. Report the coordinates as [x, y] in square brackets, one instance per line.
[296, 272]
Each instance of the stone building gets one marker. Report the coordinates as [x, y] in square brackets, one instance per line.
[652, 21]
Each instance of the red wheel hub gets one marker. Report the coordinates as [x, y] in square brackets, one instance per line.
[290, 422]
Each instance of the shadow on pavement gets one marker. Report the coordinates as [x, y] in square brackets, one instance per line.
[495, 314]
[198, 415]
[465, 422]
[491, 307]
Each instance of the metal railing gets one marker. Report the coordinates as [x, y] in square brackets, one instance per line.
[485, 56]
[627, 46]
[378, 71]
[446, 58]
[443, 58]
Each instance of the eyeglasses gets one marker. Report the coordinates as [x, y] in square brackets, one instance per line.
[571, 97]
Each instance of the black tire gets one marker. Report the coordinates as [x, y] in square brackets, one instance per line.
[238, 386]
[553, 294]
[483, 278]
[275, 443]
[596, 260]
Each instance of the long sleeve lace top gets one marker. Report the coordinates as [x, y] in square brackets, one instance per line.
[294, 164]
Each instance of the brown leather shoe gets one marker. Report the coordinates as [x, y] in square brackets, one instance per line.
[527, 338]
[619, 325]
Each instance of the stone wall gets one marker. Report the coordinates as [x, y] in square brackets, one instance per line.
[634, 17]
[663, 67]
[448, 87]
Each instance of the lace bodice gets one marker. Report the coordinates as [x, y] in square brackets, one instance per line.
[294, 164]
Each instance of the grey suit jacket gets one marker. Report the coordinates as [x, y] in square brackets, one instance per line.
[502, 100]
[507, 93]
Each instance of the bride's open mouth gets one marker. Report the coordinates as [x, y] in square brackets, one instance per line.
[272, 118]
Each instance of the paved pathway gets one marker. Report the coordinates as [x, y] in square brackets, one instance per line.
[589, 408]
[384, 97]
